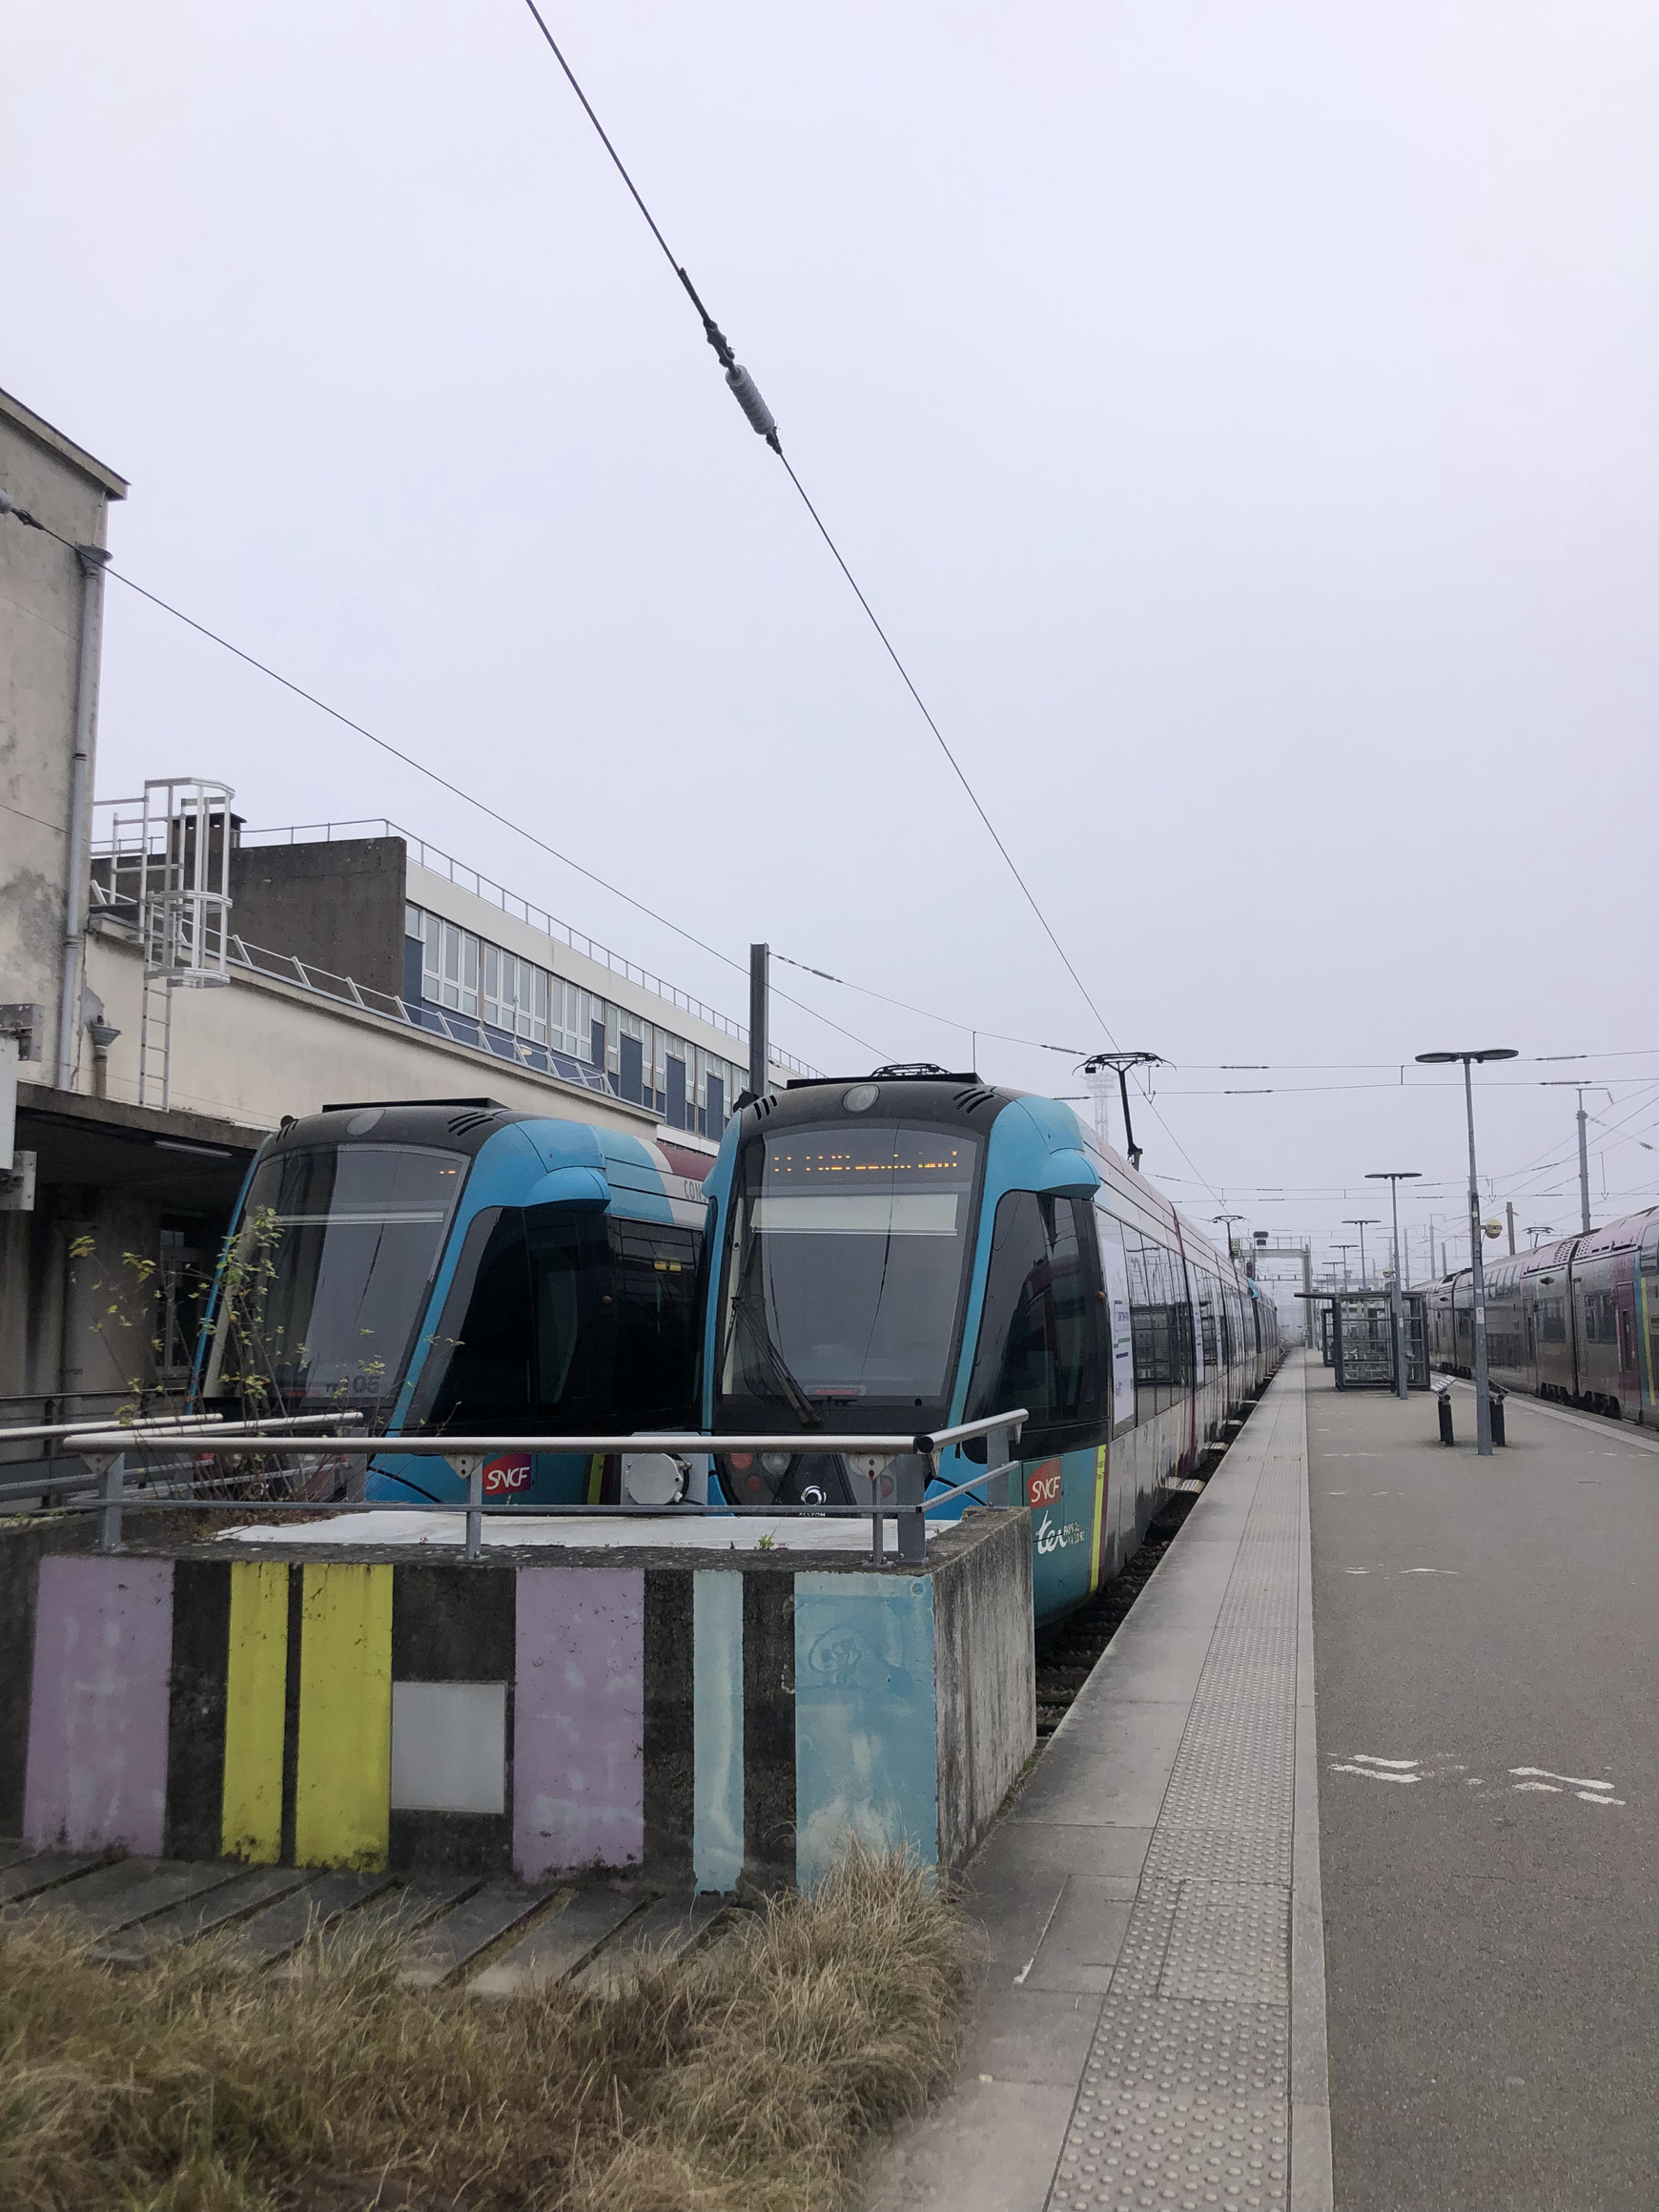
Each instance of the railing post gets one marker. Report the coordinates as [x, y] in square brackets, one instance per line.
[469, 1465]
[112, 1484]
[910, 1474]
[999, 1451]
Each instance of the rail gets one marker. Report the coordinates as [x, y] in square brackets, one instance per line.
[897, 1469]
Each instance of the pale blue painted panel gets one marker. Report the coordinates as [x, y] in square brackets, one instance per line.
[866, 1737]
[717, 1728]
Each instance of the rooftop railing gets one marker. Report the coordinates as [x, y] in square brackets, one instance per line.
[116, 838]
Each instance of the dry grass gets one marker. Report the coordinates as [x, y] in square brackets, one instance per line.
[743, 2080]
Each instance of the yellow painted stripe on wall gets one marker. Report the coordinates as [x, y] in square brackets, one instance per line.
[255, 1694]
[343, 1784]
[1099, 1510]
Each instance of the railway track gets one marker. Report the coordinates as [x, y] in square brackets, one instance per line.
[1068, 1653]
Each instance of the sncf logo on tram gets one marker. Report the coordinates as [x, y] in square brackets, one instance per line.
[1043, 1487]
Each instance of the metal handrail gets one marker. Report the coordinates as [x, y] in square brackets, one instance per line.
[469, 1454]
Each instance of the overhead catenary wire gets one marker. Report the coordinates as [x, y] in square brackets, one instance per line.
[768, 429]
[409, 760]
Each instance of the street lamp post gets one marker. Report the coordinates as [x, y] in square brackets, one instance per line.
[1394, 1177]
[1226, 1222]
[1351, 1221]
[1344, 1250]
[1483, 1386]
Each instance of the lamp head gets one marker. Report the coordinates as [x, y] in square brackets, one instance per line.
[1489, 1053]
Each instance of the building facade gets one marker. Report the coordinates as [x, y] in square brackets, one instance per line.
[324, 965]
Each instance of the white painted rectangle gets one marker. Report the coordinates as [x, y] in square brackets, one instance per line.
[449, 1747]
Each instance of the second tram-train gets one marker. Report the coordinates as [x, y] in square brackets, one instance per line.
[1576, 1321]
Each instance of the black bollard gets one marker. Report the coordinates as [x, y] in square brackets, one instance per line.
[1496, 1402]
[1445, 1426]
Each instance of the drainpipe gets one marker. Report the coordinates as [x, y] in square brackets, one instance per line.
[92, 558]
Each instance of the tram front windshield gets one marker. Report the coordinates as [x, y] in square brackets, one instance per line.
[328, 1275]
[846, 1272]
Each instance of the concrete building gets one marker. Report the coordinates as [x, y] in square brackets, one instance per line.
[52, 546]
[172, 984]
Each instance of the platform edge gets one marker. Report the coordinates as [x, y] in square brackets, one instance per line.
[1312, 2181]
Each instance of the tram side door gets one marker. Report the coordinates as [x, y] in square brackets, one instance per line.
[1625, 1323]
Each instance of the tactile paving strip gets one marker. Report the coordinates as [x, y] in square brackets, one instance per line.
[1185, 2099]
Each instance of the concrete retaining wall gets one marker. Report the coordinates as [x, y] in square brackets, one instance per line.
[643, 1710]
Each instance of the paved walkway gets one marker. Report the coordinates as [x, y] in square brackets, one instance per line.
[1489, 1692]
[1151, 2026]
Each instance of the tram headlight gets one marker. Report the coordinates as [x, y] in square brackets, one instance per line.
[776, 1464]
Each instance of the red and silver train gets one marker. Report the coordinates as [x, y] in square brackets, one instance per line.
[1576, 1321]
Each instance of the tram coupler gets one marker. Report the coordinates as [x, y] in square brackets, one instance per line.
[1444, 1400]
[1495, 1405]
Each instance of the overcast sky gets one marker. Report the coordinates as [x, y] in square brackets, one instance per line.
[1242, 418]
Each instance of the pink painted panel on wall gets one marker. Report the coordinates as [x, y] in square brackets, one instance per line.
[579, 1751]
[97, 1709]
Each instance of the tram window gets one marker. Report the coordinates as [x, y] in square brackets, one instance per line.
[1598, 1317]
[1042, 1334]
[559, 1318]
[334, 1256]
[1207, 1315]
[1160, 1320]
[654, 1285]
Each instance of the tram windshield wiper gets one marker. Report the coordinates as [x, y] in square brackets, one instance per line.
[748, 1327]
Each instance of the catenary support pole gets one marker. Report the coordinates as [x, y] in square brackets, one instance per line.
[760, 1074]
[1583, 1167]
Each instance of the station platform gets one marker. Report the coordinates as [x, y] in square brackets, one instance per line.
[1336, 1886]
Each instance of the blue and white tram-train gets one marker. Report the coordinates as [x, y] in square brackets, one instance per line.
[1576, 1321]
[454, 1265]
[918, 1249]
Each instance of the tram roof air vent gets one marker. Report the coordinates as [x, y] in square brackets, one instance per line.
[462, 1124]
[975, 1095]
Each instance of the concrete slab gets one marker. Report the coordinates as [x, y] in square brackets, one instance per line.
[444, 1947]
[559, 1943]
[216, 1909]
[1081, 1941]
[992, 2149]
[317, 1904]
[41, 1870]
[1032, 2036]
[1114, 1775]
[666, 1930]
[121, 1895]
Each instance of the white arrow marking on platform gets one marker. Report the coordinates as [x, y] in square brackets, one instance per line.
[1366, 1759]
[1553, 1788]
[1548, 1774]
[1430, 1570]
[1591, 1797]
[1372, 1774]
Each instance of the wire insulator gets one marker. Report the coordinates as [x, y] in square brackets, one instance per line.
[746, 392]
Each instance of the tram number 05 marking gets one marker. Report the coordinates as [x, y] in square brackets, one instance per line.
[504, 1476]
[1043, 1488]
